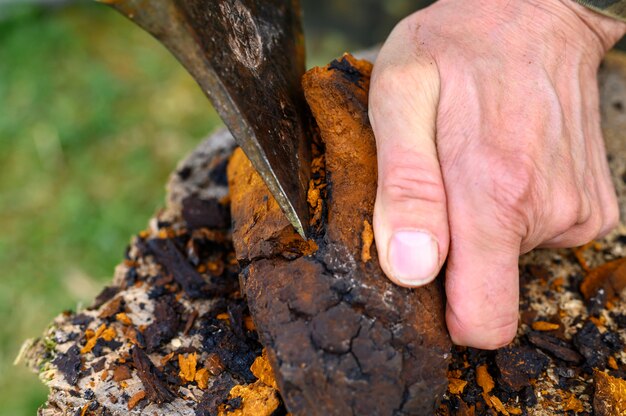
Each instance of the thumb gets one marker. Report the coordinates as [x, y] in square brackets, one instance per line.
[410, 215]
[482, 278]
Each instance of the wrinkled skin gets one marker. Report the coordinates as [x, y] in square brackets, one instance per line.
[487, 124]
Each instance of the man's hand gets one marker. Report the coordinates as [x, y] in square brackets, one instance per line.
[487, 123]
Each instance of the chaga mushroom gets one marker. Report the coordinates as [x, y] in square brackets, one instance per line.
[342, 338]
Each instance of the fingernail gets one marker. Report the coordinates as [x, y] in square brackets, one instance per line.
[413, 257]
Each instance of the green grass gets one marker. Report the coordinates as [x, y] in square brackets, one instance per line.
[94, 115]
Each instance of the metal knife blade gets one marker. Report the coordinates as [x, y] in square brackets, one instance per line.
[248, 58]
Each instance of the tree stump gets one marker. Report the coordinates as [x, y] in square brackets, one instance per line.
[328, 334]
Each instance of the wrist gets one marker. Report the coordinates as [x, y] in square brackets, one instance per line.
[608, 30]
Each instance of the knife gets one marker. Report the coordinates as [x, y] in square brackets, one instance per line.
[248, 58]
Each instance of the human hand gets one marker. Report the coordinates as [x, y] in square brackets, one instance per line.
[486, 118]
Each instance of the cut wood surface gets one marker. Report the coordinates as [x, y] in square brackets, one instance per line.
[172, 334]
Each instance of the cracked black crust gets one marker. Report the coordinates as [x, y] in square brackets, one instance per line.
[344, 347]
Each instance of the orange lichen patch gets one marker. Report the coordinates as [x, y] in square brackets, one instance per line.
[572, 404]
[222, 316]
[456, 386]
[313, 196]
[201, 268]
[187, 366]
[107, 334]
[544, 326]
[262, 370]
[249, 323]
[495, 403]
[484, 379]
[367, 238]
[136, 398]
[99, 331]
[123, 318]
[84, 410]
[167, 358]
[257, 399]
[144, 234]
[104, 375]
[610, 395]
[202, 378]
[612, 363]
[610, 276]
[514, 410]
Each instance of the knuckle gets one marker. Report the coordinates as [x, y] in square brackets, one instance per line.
[611, 220]
[513, 182]
[512, 189]
[595, 222]
[566, 213]
[391, 79]
[413, 184]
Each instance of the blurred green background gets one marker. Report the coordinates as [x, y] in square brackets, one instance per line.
[94, 115]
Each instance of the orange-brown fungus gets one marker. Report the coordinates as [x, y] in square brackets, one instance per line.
[103, 332]
[367, 238]
[573, 405]
[257, 399]
[167, 357]
[610, 396]
[484, 379]
[317, 187]
[187, 366]
[248, 322]
[136, 398]
[579, 253]
[610, 276]
[456, 386]
[544, 326]
[202, 378]
[263, 371]
[123, 318]
[496, 403]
